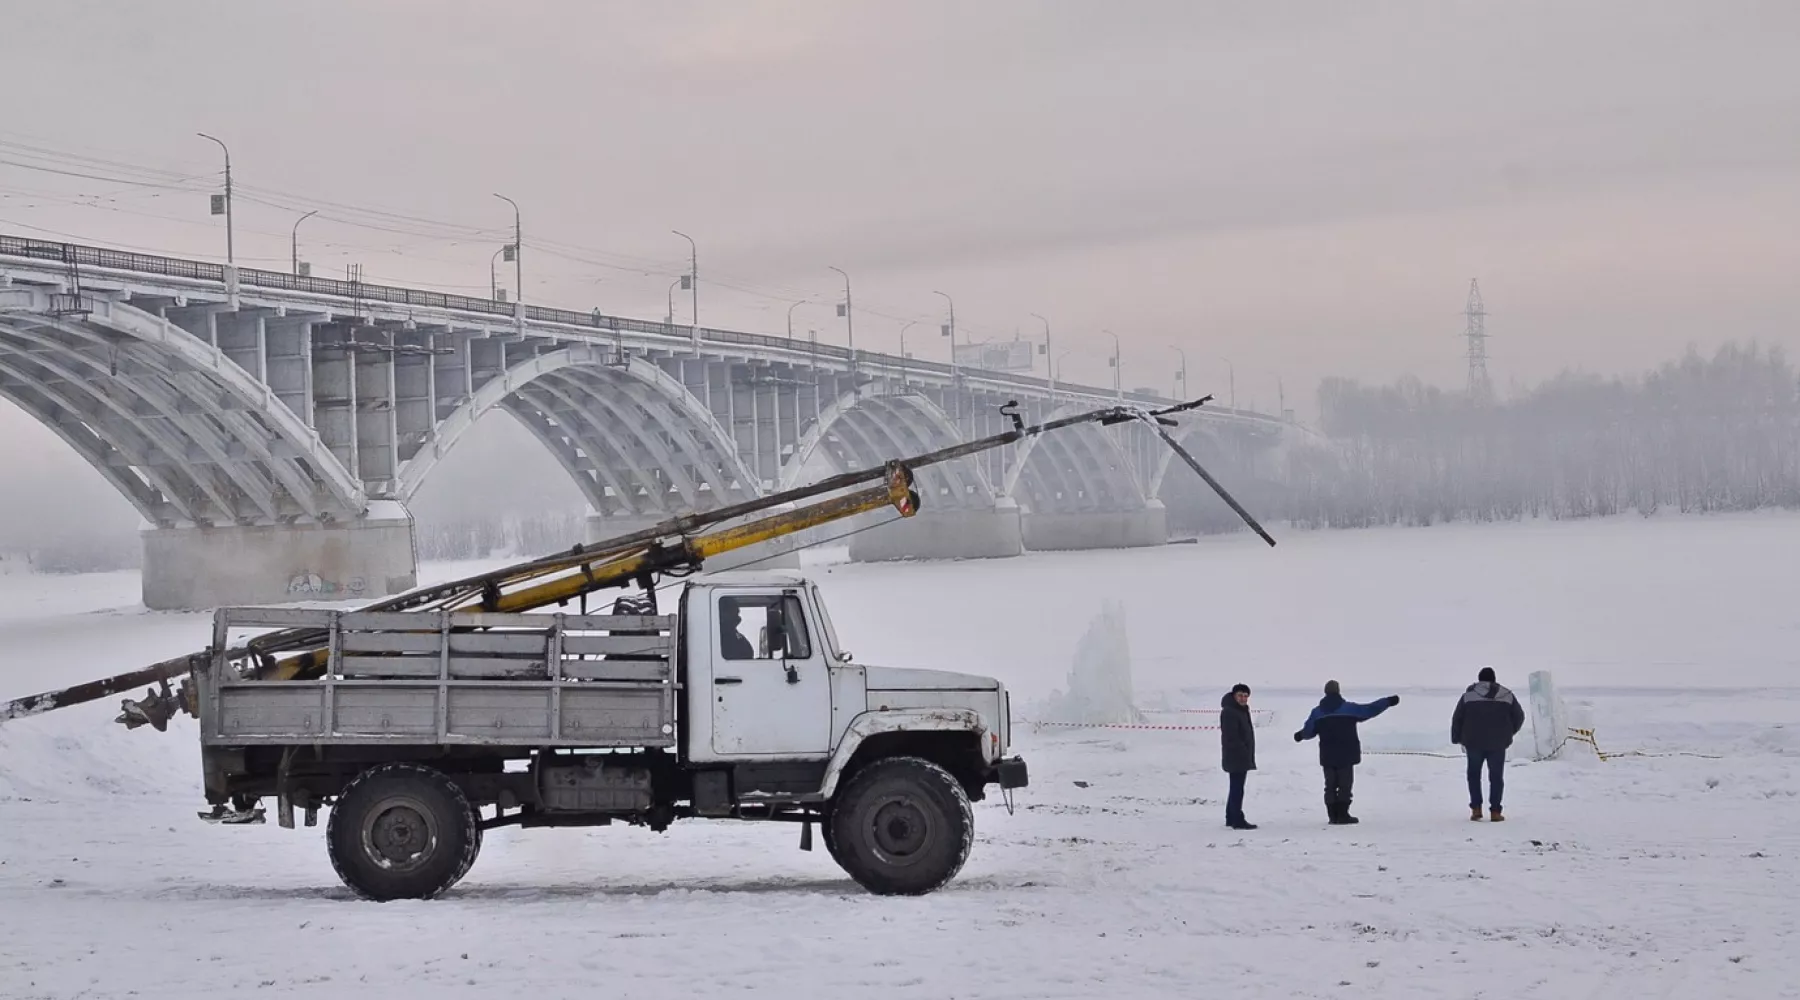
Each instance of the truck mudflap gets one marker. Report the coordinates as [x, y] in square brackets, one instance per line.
[1010, 773]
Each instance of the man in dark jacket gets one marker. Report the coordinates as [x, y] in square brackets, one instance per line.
[1237, 752]
[1334, 722]
[1486, 719]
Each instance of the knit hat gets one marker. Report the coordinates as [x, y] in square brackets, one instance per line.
[1487, 674]
[1331, 689]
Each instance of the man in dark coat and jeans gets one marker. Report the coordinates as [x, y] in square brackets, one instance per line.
[1486, 719]
[1237, 752]
[1334, 722]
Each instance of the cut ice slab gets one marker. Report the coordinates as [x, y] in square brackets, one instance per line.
[1099, 683]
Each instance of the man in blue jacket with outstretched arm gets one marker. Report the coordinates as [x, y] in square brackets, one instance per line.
[1334, 722]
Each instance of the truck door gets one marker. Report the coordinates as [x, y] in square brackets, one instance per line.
[771, 685]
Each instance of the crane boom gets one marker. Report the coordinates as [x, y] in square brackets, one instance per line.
[680, 544]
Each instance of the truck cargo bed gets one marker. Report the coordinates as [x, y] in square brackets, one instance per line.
[455, 678]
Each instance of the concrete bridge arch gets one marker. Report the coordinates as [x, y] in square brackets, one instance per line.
[184, 432]
[636, 442]
[961, 514]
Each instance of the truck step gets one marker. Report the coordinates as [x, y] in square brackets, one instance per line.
[234, 817]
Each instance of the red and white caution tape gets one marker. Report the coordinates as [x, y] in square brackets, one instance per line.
[1036, 724]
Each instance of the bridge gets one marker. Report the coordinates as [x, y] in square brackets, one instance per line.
[271, 428]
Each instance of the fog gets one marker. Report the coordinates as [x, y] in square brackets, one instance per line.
[1288, 192]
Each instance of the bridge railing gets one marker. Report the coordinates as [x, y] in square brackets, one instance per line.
[77, 256]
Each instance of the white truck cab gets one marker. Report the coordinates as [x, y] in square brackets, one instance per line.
[760, 647]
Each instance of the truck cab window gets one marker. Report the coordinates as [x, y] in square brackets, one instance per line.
[763, 627]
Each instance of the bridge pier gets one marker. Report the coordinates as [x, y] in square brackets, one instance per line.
[1053, 531]
[976, 533]
[194, 569]
[778, 554]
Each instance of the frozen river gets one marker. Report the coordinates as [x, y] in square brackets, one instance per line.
[1662, 875]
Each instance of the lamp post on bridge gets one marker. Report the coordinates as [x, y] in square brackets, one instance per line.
[296, 239]
[693, 284]
[791, 317]
[518, 250]
[1117, 367]
[949, 330]
[1181, 374]
[669, 318]
[494, 273]
[1049, 366]
[230, 247]
[849, 320]
[1231, 369]
[905, 367]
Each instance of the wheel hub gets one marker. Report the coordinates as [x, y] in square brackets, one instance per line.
[399, 835]
[900, 828]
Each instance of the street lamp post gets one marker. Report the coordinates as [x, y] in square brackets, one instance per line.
[849, 321]
[518, 250]
[230, 247]
[1049, 368]
[669, 318]
[791, 317]
[1231, 369]
[296, 238]
[905, 367]
[950, 329]
[1117, 366]
[494, 274]
[1181, 375]
[955, 372]
[693, 288]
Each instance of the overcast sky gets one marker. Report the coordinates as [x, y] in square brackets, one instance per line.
[1303, 188]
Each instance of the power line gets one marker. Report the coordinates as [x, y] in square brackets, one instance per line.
[433, 231]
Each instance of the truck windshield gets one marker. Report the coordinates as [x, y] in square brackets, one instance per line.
[825, 626]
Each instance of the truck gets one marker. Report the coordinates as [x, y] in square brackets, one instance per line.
[425, 720]
[428, 729]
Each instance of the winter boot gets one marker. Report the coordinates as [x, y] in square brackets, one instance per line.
[1339, 813]
[1344, 816]
[1475, 813]
[1494, 815]
[1242, 824]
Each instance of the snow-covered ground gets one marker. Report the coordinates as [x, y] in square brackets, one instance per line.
[1665, 876]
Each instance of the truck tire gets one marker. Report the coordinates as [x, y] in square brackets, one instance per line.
[830, 839]
[901, 827]
[402, 831]
[469, 862]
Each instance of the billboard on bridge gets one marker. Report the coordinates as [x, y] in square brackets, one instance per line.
[998, 356]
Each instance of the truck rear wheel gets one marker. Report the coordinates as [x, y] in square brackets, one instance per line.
[901, 827]
[402, 831]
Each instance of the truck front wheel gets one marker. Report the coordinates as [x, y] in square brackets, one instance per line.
[901, 827]
[402, 831]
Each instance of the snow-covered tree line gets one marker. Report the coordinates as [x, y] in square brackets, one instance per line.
[1718, 433]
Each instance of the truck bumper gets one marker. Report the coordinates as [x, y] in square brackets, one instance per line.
[1011, 773]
